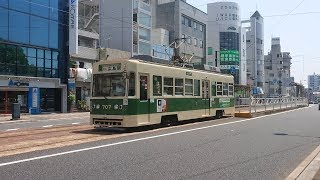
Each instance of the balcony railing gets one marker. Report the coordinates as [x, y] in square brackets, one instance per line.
[145, 6]
[135, 48]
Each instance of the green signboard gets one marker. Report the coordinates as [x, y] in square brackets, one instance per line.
[210, 51]
[231, 55]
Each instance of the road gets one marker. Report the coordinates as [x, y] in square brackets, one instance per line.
[46, 122]
[268, 147]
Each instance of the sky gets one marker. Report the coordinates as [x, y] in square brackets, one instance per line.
[299, 32]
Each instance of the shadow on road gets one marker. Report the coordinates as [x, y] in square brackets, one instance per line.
[293, 135]
[112, 131]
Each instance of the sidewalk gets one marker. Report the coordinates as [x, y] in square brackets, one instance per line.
[309, 169]
[44, 116]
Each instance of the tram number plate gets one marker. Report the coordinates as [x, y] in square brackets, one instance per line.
[106, 106]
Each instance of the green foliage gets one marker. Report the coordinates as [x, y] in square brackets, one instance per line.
[82, 105]
[72, 97]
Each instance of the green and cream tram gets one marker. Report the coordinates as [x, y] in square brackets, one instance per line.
[132, 93]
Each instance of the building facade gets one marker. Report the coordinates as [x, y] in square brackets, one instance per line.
[255, 50]
[130, 26]
[85, 40]
[277, 71]
[187, 28]
[314, 82]
[33, 55]
[226, 40]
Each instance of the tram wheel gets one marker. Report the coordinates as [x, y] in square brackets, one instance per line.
[169, 120]
[219, 114]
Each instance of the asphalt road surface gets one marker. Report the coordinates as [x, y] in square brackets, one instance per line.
[268, 147]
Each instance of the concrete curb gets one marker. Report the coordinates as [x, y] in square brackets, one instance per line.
[308, 168]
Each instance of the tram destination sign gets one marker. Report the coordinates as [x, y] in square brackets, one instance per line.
[110, 67]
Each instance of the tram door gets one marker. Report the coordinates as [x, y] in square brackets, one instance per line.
[206, 96]
[144, 96]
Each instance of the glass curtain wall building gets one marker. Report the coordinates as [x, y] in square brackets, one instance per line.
[33, 54]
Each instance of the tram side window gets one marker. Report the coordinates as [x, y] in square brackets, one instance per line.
[188, 87]
[219, 88]
[225, 89]
[231, 90]
[157, 85]
[132, 84]
[178, 88]
[168, 86]
[213, 89]
[196, 87]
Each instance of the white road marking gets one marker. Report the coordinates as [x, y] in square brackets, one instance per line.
[47, 126]
[75, 123]
[139, 139]
[12, 129]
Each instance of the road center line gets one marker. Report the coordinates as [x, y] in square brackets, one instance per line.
[139, 139]
[12, 129]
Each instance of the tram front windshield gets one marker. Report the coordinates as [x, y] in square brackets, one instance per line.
[108, 85]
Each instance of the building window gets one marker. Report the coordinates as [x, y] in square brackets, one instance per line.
[195, 24]
[183, 20]
[39, 31]
[201, 27]
[144, 34]
[40, 8]
[189, 40]
[201, 44]
[229, 41]
[189, 22]
[144, 19]
[195, 42]
[19, 27]
[144, 48]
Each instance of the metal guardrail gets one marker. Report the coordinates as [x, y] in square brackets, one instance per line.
[255, 105]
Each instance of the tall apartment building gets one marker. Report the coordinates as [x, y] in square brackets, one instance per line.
[277, 71]
[314, 82]
[130, 25]
[84, 44]
[255, 50]
[33, 55]
[226, 40]
[185, 21]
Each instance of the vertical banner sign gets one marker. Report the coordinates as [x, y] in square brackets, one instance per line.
[35, 97]
[73, 27]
